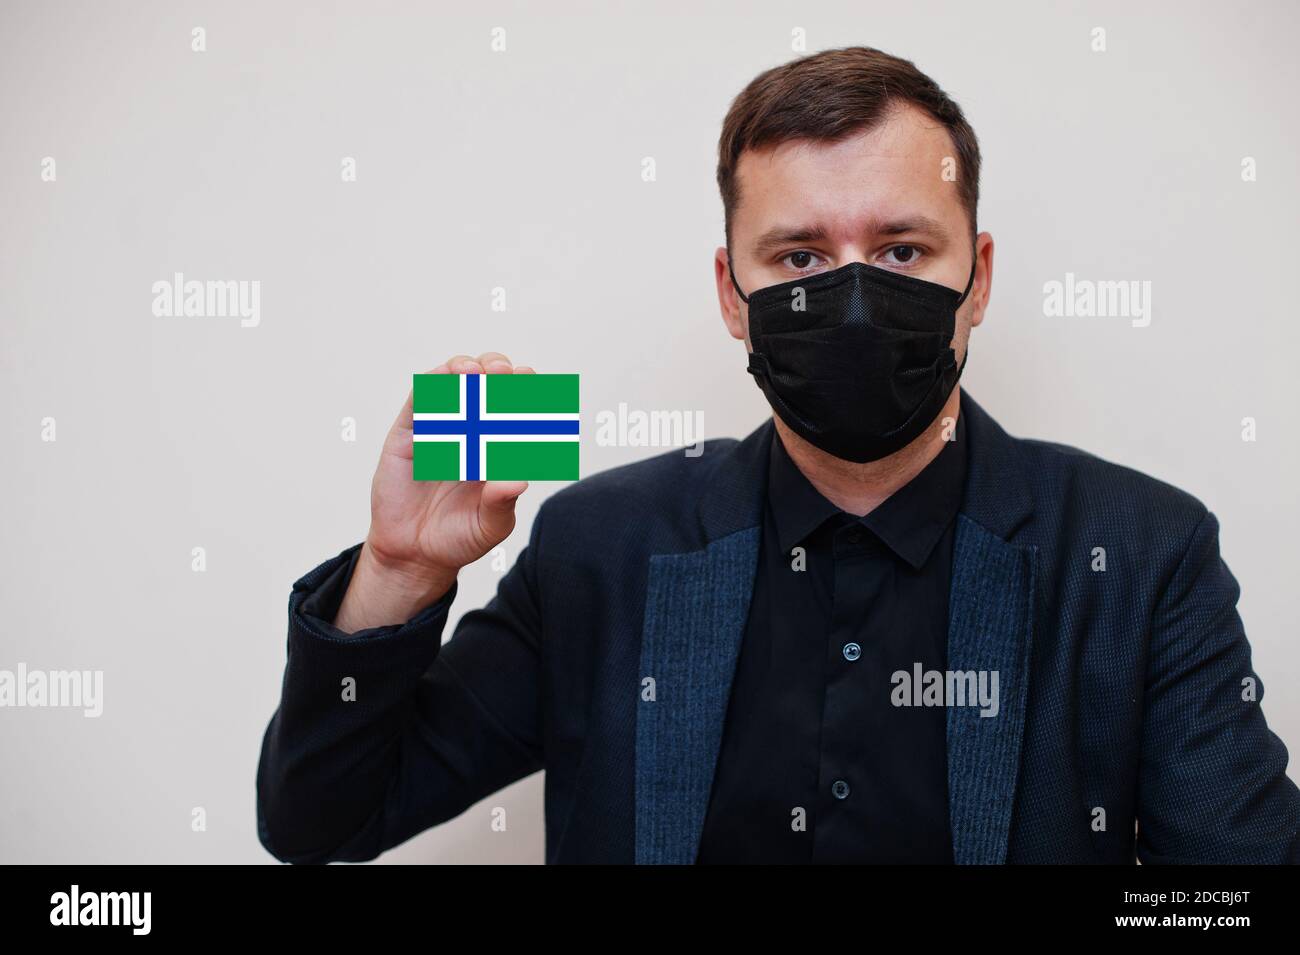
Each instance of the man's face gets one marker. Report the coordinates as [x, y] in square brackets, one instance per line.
[879, 197]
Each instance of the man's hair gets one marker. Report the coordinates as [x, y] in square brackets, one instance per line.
[831, 95]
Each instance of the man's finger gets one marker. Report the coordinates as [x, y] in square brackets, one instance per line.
[494, 361]
[403, 422]
[464, 365]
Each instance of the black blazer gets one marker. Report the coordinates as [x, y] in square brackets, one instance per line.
[606, 656]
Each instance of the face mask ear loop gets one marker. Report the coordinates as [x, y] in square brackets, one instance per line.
[970, 282]
[736, 284]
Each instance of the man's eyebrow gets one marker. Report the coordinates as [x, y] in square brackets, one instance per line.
[774, 239]
[921, 225]
[782, 236]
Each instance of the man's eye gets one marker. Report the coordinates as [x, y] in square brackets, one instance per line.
[904, 254]
[799, 260]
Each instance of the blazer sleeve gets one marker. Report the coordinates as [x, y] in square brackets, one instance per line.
[386, 732]
[1212, 786]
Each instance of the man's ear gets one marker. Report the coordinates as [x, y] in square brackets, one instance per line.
[734, 314]
[983, 286]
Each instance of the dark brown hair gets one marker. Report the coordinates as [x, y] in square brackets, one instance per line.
[833, 94]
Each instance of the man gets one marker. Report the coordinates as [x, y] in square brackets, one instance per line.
[878, 629]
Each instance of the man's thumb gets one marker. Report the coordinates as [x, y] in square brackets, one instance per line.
[497, 506]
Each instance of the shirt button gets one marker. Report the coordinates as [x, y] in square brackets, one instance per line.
[855, 537]
[840, 789]
[852, 651]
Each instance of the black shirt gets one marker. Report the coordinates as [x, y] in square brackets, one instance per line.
[811, 733]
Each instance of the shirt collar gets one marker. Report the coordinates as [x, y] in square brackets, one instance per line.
[910, 521]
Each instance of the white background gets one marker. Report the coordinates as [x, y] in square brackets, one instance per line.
[522, 170]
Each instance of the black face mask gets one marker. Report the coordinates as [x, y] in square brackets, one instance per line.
[865, 366]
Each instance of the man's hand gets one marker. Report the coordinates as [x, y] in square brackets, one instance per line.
[423, 532]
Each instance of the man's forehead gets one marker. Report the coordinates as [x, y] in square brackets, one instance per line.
[897, 161]
[903, 133]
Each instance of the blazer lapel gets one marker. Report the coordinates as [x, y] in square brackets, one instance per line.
[990, 631]
[697, 604]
